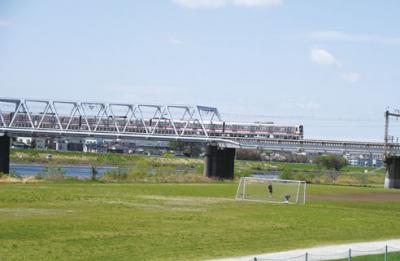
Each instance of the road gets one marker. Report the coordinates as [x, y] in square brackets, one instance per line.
[329, 252]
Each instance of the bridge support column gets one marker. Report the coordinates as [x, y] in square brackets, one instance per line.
[392, 179]
[4, 154]
[219, 162]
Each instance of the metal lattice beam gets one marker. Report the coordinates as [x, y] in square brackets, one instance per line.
[32, 117]
[97, 119]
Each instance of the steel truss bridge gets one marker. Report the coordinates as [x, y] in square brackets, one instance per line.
[53, 118]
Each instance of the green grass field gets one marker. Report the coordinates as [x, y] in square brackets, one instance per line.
[103, 221]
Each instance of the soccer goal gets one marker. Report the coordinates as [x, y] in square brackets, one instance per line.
[272, 190]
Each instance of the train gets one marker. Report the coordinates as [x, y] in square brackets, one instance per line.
[255, 130]
[237, 129]
[163, 126]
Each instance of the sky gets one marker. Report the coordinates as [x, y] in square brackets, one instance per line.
[330, 65]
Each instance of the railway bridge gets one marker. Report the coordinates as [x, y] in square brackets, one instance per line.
[190, 123]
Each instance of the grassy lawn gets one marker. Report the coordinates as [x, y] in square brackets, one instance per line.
[95, 221]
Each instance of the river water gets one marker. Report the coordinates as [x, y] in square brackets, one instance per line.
[71, 171]
[86, 171]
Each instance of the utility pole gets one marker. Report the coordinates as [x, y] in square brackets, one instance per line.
[385, 150]
[392, 179]
[387, 115]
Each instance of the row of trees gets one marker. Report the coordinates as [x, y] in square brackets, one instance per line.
[331, 162]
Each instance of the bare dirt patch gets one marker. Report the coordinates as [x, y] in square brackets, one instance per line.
[373, 197]
[33, 211]
[153, 203]
[187, 200]
[8, 179]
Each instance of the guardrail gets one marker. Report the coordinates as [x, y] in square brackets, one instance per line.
[386, 253]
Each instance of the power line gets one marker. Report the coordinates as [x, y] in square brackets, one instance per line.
[303, 117]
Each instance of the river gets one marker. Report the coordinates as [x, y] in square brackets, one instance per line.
[78, 171]
[71, 171]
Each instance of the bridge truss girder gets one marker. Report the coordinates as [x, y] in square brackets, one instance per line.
[53, 118]
[98, 119]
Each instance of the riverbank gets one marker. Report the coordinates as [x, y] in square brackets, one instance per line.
[122, 167]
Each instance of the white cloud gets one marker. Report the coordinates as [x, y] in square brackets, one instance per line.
[213, 4]
[350, 76]
[257, 3]
[356, 38]
[174, 41]
[323, 57]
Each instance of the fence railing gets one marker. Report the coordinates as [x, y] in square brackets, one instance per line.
[386, 253]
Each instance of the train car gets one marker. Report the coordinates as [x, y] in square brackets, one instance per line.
[163, 126]
[255, 130]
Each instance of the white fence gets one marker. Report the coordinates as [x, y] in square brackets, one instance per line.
[386, 253]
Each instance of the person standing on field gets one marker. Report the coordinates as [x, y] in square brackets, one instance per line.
[270, 189]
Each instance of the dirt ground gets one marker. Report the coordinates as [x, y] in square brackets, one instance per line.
[375, 197]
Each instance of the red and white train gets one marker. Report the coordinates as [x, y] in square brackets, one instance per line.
[162, 126]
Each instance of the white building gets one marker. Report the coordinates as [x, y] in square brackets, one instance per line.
[26, 140]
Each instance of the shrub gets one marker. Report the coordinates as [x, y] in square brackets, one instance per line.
[51, 173]
[286, 173]
[94, 172]
[245, 154]
[308, 177]
[168, 154]
[331, 162]
[115, 176]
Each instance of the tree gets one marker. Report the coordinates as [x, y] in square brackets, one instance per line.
[189, 149]
[248, 154]
[286, 173]
[177, 145]
[331, 162]
[94, 172]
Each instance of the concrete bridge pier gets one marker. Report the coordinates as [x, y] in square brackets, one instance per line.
[4, 154]
[392, 179]
[219, 162]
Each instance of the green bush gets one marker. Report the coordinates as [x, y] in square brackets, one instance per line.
[115, 176]
[51, 172]
[168, 154]
[331, 162]
[308, 177]
[286, 173]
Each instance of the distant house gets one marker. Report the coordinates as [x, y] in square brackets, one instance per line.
[25, 140]
[94, 145]
[40, 143]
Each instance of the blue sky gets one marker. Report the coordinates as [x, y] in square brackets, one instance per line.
[331, 65]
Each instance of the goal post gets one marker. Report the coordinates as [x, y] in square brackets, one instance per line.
[272, 190]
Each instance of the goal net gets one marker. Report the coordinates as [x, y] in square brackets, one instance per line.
[272, 190]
